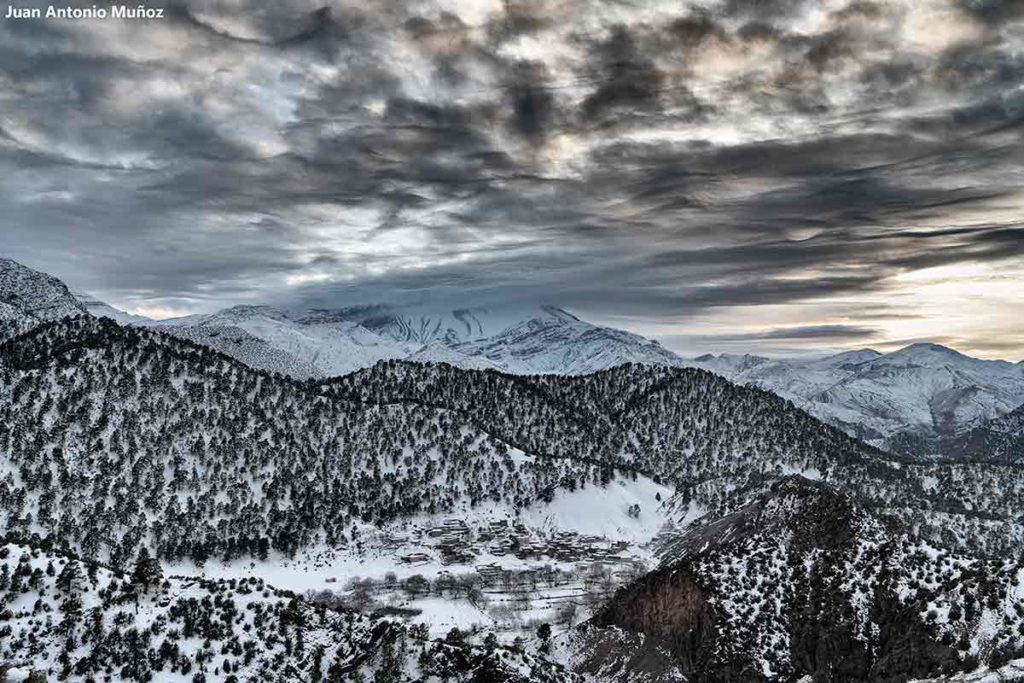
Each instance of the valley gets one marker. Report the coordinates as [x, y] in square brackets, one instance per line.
[417, 520]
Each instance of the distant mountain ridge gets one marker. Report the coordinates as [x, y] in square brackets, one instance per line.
[915, 401]
[920, 400]
[326, 343]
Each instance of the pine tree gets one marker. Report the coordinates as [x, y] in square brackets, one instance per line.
[69, 581]
[147, 572]
[544, 633]
[390, 670]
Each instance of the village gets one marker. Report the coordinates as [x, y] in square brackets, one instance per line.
[491, 574]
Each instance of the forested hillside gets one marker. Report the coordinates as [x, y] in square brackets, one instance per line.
[73, 619]
[706, 436]
[803, 581]
[790, 548]
[112, 436]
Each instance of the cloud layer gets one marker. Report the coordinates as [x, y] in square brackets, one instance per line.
[755, 174]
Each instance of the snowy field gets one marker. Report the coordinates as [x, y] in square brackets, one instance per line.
[564, 556]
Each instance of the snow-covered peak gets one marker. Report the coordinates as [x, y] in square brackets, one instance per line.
[244, 313]
[549, 340]
[908, 400]
[850, 358]
[928, 355]
[729, 364]
[234, 315]
[328, 342]
[29, 298]
[425, 324]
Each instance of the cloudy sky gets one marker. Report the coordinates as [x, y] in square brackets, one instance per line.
[728, 175]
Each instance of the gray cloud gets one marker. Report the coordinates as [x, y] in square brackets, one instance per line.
[652, 160]
[819, 332]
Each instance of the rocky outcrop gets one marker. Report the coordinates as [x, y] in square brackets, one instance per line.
[803, 584]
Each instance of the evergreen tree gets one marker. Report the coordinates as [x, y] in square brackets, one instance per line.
[544, 633]
[70, 578]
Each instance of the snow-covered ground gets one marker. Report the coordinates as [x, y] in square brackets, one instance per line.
[571, 550]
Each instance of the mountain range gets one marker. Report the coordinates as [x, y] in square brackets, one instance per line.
[920, 400]
[319, 343]
[917, 400]
[176, 511]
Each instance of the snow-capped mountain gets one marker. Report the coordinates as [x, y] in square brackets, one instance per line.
[325, 343]
[29, 298]
[269, 339]
[909, 400]
[328, 343]
[552, 341]
[915, 401]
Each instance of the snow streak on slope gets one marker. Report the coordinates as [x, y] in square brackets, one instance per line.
[422, 325]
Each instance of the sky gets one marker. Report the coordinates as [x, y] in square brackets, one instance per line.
[768, 176]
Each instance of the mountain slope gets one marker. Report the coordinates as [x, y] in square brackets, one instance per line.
[800, 580]
[706, 436]
[556, 342]
[29, 298]
[100, 309]
[110, 436]
[998, 440]
[75, 620]
[910, 401]
[324, 343]
[267, 339]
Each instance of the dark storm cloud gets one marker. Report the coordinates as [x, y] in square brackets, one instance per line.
[276, 30]
[652, 159]
[787, 340]
[764, 9]
[819, 332]
[531, 103]
[626, 78]
[995, 12]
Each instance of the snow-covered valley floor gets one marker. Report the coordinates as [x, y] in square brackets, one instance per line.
[491, 567]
